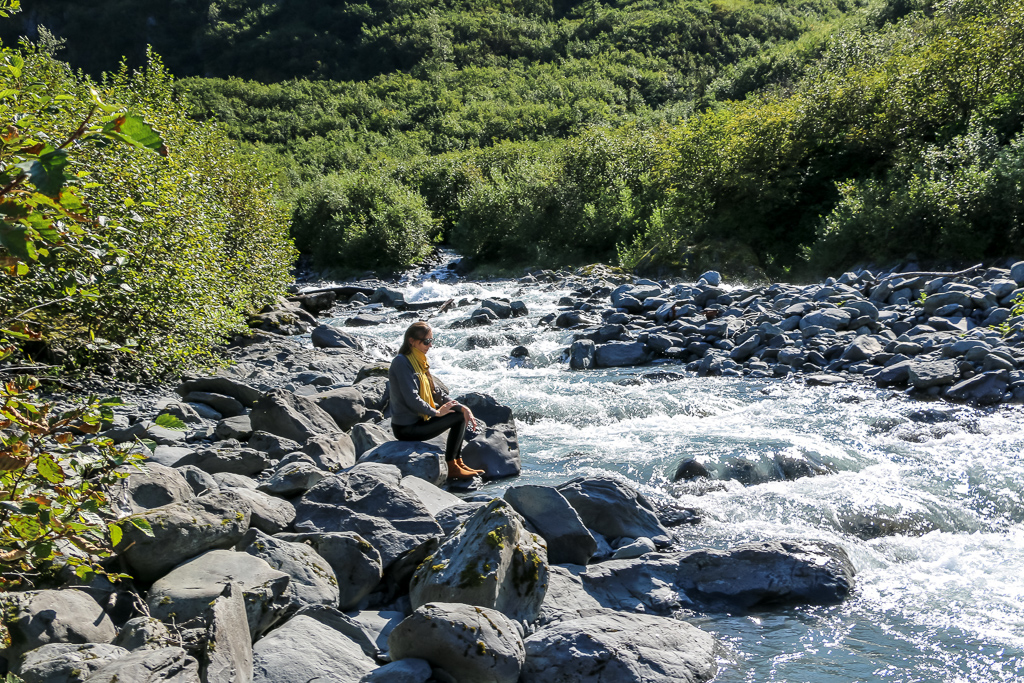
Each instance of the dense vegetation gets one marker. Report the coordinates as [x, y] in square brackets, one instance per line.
[667, 134]
[109, 247]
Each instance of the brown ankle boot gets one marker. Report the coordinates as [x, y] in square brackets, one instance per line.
[456, 470]
[464, 466]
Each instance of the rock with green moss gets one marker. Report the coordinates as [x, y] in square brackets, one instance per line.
[468, 642]
[312, 578]
[492, 561]
[356, 563]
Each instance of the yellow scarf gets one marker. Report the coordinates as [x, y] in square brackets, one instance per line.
[421, 367]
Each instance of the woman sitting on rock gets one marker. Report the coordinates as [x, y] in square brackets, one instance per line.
[419, 411]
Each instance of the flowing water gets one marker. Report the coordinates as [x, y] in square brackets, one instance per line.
[939, 590]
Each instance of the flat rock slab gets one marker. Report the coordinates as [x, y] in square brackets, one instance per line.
[614, 509]
[166, 665]
[310, 647]
[620, 648]
[66, 662]
[568, 540]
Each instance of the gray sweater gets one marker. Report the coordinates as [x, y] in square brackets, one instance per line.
[406, 403]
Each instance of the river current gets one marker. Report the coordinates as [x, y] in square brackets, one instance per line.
[925, 497]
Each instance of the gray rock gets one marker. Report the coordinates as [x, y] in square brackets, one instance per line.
[435, 498]
[35, 618]
[229, 480]
[168, 665]
[329, 337]
[183, 411]
[828, 318]
[936, 301]
[389, 296]
[228, 653]
[620, 354]
[227, 406]
[620, 648]
[469, 643]
[345, 405]
[269, 514]
[581, 354]
[312, 578]
[245, 394]
[410, 670]
[238, 427]
[984, 389]
[244, 461]
[356, 564]
[493, 561]
[414, 459]
[66, 662]
[1017, 272]
[314, 645]
[746, 349]
[154, 487]
[862, 348]
[368, 500]
[332, 452]
[711, 277]
[932, 373]
[570, 319]
[568, 540]
[273, 445]
[182, 531]
[201, 482]
[863, 308]
[451, 517]
[187, 591]
[293, 478]
[614, 509]
[145, 633]
[500, 308]
[169, 456]
[637, 548]
[367, 436]
[294, 417]
[897, 373]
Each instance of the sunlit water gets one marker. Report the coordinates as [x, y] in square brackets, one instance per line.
[939, 598]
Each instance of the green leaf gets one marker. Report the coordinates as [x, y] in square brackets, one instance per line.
[47, 172]
[115, 534]
[14, 239]
[142, 524]
[150, 444]
[134, 130]
[49, 469]
[169, 422]
[27, 527]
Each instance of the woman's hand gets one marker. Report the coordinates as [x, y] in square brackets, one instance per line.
[470, 420]
[446, 408]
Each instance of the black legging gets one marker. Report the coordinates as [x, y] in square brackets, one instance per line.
[422, 430]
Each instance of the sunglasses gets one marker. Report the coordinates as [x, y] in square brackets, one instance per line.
[429, 341]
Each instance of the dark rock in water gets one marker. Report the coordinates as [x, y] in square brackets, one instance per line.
[581, 354]
[932, 373]
[520, 352]
[624, 648]
[363, 321]
[614, 509]
[621, 354]
[984, 389]
[569, 541]
[690, 469]
[796, 466]
[500, 308]
[671, 515]
[819, 380]
[932, 415]
[867, 525]
[897, 373]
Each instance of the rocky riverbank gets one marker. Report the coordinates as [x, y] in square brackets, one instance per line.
[294, 539]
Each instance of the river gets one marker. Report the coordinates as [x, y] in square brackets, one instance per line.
[939, 593]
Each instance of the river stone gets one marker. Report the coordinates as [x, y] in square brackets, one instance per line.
[897, 373]
[500, 308]
[861, 348]
[167, 665]
[214, 459]
[924, 374]
[145, 633]
[329, 337]
[229, 480]
[451, 517]
[154, 487]
[367, 436]
[345, 405]
[201, 482]
[746, 349]
[495, 450]
[368, 500]
[315, 645]
[936, 301]
[638, 292]
[356, 564]
[620, 648]
[35, 618]
[435, 498]
[828, 318]
[581, 354]
[620, 354]
[331, 452]
[863, 308]
[273, 445]
[470, 643]
[558, 523]
[182, 531]
[491, 562]
[227, 406]
[168, 456]
[66, 662]
[294, 417]
[409, 670]
[637, 548]
[414, 459]
[179, 409]
[269, 514]
[187, 591]
[292, 478]
[984, 389]
[312, 578]
[614, 509]
[228, 652]
[245, 394]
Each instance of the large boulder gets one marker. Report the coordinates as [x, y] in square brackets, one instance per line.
[331, 452]
[292, 478]
[620, 648]
[614, 509]
[183, 530]
[232, 459]
[558, 523]
[268, 513]
[345, 405]
[228, 654]
[621, 354]
[166, 665]
[493, 561]
[294, 417]
[66, 662]
[470, 643]
[154, 487]
[581, 354]
[984, 389]
[227, 386]
[367, 436]
[316, 644]
[356, 564]
[35, 618]
[494, 448]
[414, 458]
[329, 337]
[312, 578]
[828, 318]
[925, 374]
[368, 500]
[187, 591]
